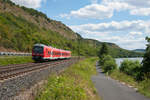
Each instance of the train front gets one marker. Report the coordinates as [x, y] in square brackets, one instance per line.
[38, 52]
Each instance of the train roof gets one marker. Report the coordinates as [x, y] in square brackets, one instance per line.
[42, 45]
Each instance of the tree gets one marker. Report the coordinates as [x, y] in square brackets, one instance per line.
[108, 64]
[103, 51]
[131, 68]
[145, 70]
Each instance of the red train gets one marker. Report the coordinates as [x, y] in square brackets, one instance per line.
[42, 52]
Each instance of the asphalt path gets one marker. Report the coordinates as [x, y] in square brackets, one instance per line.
[110, 89]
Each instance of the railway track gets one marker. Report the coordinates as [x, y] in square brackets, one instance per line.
[10, 71]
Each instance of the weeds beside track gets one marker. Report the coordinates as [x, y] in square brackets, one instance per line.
[73, 84]
[9, 60]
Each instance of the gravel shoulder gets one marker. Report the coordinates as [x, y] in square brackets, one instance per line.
[110, 89]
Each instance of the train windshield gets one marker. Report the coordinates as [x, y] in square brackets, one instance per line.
[37, 49]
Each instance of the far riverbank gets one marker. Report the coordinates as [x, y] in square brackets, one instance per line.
[119, 60]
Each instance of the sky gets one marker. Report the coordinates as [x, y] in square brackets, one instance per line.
[124, 22]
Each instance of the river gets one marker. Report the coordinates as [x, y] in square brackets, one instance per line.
[119, 60]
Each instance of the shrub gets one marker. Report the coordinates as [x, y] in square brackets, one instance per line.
[131, 68]
[103, 51]
[109, 66]
[108, 63]
[145, 70]
[104, 58]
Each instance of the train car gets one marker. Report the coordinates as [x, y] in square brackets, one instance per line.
[56, 53]
[66, 54]
[42, 52]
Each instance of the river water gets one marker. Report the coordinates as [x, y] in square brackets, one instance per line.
[119, 60]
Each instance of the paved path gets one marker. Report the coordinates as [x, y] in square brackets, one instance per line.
[110, 89]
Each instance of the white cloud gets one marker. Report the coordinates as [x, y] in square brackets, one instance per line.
[135, 7]
[122, 33]
[141, 12]
[136, 33]
[93, 11]
[106, 9]
[29, 3]
[138, 3]
[98, 11]
[126, 26]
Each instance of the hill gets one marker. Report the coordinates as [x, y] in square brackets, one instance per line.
[21, 28]
[139, 50]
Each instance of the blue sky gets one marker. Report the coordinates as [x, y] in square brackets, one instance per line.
[124, 22]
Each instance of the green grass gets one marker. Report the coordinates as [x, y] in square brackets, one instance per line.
[143, 87]
[7, 60]
[117, 75]
[73, 84]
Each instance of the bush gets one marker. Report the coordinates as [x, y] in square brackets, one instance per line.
[104, 58]
[131, 68]
[145, 70]
[109, 66]
[103, 50]
[108, 63]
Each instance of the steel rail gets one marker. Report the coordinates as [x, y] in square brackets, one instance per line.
[12, 71]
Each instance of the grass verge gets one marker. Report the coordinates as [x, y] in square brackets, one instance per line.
[15, 60]
[73, 84]
[143, 87]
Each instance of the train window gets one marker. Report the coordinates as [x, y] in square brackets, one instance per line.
[64, 54]
[49, 52]
[56, 53]
[37, 49]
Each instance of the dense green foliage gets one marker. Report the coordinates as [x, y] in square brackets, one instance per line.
[73, 84]
[145, 70]
[103, 51]
[122, 53]
[131, 68]
[7, 60]
[108, 63]
[8, 1]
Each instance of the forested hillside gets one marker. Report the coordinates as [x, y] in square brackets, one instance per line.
[140, 50]
[21, 28]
